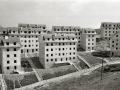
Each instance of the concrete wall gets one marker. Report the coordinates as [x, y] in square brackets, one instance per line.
[11, 59]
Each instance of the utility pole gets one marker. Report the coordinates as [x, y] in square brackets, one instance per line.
[103, 54]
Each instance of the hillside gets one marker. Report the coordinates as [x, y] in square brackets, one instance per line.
[111, 81]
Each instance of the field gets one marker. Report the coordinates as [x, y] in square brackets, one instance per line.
[56, 72]
[92, 60]
[16, 81]
[110, 81]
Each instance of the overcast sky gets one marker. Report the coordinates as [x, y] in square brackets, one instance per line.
[83, 13]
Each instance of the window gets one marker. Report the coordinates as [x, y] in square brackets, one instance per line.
[14, 43]
[88, 35]
[92, 39]
[47, 55]
[47, 49]
[8, 55]
[92, 35]
[29, 45]
[15, 67]
[36, 49]
[47, 44]
[116, 43]
[47, 60]
[51, 59]
[51, 44]
[59, 54]
[51, 54]
[15, 55]
[116, 35]
[73, 57]
[70, 58]
[21, 50]
[55, 59]
[59, 49]
[112, 41]
[7, 43]
[8, 62]
[70, 53]
[14, 49]
[51, 49]
[70, 48]
[88, 47]
[92, 43]
[15, 61]
[32, 50]
[73, 52]
[7, 50]
[8, 67]
[61, 59]
[112, 45]
[88, 43]
[88, 39]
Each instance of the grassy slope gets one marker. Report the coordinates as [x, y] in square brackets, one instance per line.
[111, 81]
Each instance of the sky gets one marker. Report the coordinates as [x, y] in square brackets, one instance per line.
[83, 13]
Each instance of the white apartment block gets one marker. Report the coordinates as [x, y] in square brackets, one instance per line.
[10, 55]
[108, 29]
[57, 49]
[115, 44]
[88, 37]
[28, 34]
[76, 30]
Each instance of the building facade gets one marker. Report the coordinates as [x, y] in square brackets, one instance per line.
[10, 55]
[76, 30]
[115, 44]
[108, 29]
[57, 49]
[28, 34]
[88, 39]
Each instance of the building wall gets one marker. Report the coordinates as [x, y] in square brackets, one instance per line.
[11, 59]
[108, 29]
[83, 42]
[115, 45]
[42, 51]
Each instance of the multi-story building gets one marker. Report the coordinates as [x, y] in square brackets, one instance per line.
[10, 54]
[28, 34]
[57, 49]
[108, 29]
[115, 44]
[88, 37]
[68, 30]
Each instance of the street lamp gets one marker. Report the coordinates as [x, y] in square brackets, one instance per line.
[103, 55]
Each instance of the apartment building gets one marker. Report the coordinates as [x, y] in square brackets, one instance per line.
[10, 54]
[88, 37]
[28, 34]
[115, 44]
[108, 29]
[76, 30]
[57, 49]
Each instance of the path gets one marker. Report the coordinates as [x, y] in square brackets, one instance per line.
[35, 70]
